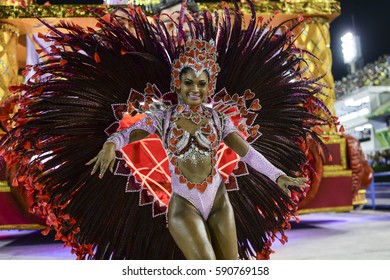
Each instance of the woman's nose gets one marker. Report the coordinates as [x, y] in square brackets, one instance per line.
[195, 88]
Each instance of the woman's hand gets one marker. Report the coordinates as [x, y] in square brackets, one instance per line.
[284, 182]
[105, 159]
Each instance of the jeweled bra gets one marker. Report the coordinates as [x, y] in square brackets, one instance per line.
[193, 148]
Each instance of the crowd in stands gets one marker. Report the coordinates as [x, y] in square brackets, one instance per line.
[372, 74]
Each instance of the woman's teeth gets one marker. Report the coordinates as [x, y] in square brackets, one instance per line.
[194, 96]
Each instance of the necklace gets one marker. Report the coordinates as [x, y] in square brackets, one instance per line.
[194, 113]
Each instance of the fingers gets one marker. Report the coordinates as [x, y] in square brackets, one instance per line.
[295, 183]
[112, 166]
[92, 161]
[286, 190]
[95, 167]
[103, 169]
[103, 161]
[298, 182]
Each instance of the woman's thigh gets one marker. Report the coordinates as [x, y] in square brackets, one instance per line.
[189, 229]
[222, 227]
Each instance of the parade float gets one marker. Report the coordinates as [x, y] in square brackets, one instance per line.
[339, 181]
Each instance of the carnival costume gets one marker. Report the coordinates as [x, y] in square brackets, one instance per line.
[95, 82]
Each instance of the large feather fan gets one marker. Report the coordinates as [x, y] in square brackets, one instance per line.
[66, 108]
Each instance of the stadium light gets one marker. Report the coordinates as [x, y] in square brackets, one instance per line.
[351, 49]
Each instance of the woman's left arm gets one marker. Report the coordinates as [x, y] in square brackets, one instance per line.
[256, 160]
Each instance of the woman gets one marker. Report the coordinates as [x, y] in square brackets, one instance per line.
[200, 219]
[78, 98]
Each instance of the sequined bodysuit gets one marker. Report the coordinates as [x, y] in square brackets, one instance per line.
[201, 146]
[193, 149]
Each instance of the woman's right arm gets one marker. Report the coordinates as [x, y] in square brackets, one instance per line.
[105, 159]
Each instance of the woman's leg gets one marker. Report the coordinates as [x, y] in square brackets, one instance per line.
[189, 230]
[222, 227]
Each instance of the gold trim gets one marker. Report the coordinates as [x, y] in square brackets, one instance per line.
[53, 11]
[22, 227]
[329, 8]
[360, 198]
[4, 187]
[326, 209]
[15, 3]
[336, 139]
[331, 136]
[7, 27]
[333, 168]
[337, 173]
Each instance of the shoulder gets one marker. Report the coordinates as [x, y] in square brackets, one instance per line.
[161, 117]
[159, 113]
[216, 113]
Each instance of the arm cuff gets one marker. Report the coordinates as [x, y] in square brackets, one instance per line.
[122, 138]
[261, 164]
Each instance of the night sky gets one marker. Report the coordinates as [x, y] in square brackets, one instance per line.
[372, 24]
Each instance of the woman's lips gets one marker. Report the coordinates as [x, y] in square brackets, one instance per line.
[194, 96]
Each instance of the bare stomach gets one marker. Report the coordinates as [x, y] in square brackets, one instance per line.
[195, 173]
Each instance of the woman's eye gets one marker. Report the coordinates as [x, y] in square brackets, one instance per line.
[187, 83]
[202, 84]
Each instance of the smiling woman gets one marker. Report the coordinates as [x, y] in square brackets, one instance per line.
[229, 177]
[193, 88]
[200, 215]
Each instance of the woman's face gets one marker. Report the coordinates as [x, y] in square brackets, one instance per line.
[193, 89]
